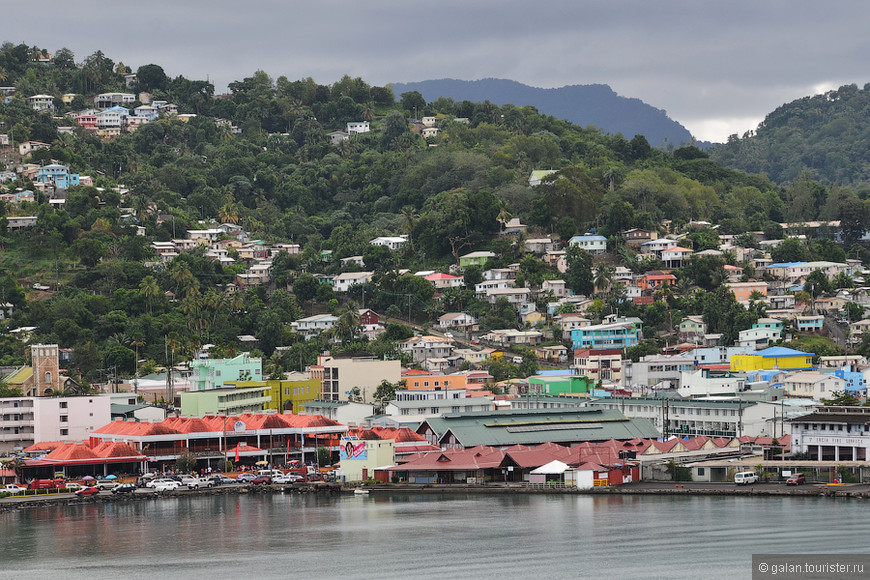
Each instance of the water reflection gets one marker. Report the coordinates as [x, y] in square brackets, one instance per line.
[399, 535]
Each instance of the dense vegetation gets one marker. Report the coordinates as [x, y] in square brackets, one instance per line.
[828, 135]
[282, 180]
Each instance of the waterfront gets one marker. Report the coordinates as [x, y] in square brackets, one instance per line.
[397, 536]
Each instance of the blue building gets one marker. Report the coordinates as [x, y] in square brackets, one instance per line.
[616, 335]
[57, 174]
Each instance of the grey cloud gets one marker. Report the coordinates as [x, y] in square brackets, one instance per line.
[701, 61]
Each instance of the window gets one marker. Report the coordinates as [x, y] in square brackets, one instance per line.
[64, 404]
[64, 418]
[64, 432]
[434, 410]
[217, 373]
[700, 471]
[454, 409]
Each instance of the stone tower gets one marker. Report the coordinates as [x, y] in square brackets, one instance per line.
[46, 369]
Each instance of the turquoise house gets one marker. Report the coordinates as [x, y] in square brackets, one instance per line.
[208, 374]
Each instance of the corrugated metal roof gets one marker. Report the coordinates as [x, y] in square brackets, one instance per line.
[546, 425]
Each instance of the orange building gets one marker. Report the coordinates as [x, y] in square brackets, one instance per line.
[656, 279]
[417, 379]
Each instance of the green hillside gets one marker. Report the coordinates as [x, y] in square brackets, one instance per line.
[262, 158]
[827, 135]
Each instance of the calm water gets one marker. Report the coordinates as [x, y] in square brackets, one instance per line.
[287, 536]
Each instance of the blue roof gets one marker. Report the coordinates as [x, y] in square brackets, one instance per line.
[785, 264]
[777, 351]
[599, 238]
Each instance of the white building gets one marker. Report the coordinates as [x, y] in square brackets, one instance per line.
[656, 371]
[343, 282]
[758, 338]
[358, 127]
[41, 102]
[693, 417]
[813, 385]
[833, 434]
[311, 326]
[391, 242]
[703, 383]
[28, 420]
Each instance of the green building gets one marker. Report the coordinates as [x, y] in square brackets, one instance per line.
[213, 373]
[560, 385]
[227, 400]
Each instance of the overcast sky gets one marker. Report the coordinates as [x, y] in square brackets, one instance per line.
[717, 67]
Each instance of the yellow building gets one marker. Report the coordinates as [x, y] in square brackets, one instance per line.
[775, 357]
[290, 394]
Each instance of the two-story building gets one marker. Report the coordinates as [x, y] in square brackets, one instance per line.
[344, 281]
[58, 175]
[590, 243]
[311, 326]
[603, 364]
[616, 335]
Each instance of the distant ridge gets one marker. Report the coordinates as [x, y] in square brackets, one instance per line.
[582, 105]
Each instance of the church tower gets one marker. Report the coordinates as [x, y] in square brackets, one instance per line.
[46, 369]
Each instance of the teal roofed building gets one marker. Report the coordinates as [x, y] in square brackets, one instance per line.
[564, 426]
[208, 374]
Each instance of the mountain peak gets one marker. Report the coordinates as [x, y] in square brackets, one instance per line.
[596, 104]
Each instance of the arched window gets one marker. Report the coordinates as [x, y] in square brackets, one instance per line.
[48, 378]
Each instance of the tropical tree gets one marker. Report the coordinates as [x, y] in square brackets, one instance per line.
[604, 277]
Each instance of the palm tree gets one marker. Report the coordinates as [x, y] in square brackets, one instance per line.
[504, 216]
[347, 326]
[604, 275]
[149, 287]
[229, 213]
[182, 277]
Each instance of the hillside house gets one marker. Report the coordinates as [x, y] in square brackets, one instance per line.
[458, 320]
[589, 243]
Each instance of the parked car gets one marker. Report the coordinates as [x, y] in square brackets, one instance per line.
[281, 479]
[314, 477]
[165, 485]
[73, 486]
[106, 484]
[124, 488]
[745, 478]
[13, 488]
[294, 477]
[221, 479]
[196, 482]
[796, 479]
[245, 477]
[87, 491]
[262, 480]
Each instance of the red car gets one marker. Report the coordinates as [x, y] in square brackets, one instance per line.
[796, 479]
[86, 491]
[262, 479]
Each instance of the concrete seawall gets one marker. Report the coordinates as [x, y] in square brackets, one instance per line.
[639, 489]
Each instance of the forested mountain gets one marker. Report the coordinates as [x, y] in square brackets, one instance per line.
[282, 178]
[582, 105]
[828, 135]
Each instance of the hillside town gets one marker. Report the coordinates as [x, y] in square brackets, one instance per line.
[274, 288]
[586, 403]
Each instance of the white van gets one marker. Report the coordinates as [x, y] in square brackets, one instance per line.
[271, 472]
[745, 478]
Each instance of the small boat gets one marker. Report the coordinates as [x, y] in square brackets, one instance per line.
[360, 492]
